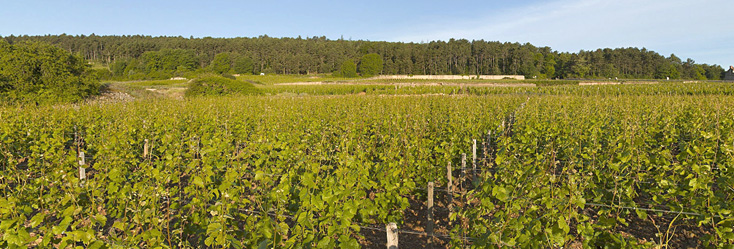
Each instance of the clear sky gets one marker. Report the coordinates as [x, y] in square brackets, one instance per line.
[699, 29]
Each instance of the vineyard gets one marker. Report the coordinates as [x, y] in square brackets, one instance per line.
[669, 89]
[622, 166]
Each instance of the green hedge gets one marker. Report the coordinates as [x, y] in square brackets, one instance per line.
[555, 82]
[217, 85]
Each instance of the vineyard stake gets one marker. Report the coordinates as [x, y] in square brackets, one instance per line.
[489, 149]
[449, 187]
[429, 226]
[463, 170]
[145, 149]
[484, 151]
[474, 162]
[392, 235]
[82, 169]
[76, 139]
[489, 139]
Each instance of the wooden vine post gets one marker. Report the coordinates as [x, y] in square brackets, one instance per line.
[82, 169]
[449, 189]
[429, 224]
[489, 138]
[463, 171]
[474, 161]
[490, 151]
[392, 235]
[146, 149]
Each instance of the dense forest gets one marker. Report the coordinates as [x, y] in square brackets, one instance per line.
[140, 57]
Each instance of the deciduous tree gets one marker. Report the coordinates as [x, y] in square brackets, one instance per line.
[348, 69]
[370, 65]
[221, 63]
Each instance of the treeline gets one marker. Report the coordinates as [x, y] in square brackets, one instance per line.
[158, 57]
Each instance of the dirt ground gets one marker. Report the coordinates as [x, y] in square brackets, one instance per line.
[407, 84]
[593, 83]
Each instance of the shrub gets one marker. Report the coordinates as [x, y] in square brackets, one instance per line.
[42, 73]
[348, 69]
[212, 85]
[555, 82]
[229, 76]
[99, 74]
[371, 65]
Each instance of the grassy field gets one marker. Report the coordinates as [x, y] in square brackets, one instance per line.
[271, 79]
[158, 83]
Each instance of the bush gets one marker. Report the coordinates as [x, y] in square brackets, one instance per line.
[371, 65]
[99, 74]
[159, 75]
[42, 73]
[348, 69]
[229, 76]
[212, 85]
[556, 82]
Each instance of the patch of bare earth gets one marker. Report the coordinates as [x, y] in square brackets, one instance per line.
[660, 229]
[413, 231]
[112, 96]
[312, 83]
[175, 93]
[597, 83]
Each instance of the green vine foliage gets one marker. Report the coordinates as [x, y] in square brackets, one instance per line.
[312, 172]
[662, 153]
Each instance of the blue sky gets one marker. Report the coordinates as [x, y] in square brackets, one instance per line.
[702, 30]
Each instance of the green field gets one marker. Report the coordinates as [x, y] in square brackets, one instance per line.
[272, 79]
[327, 166]
[276, 79]
[154, 83]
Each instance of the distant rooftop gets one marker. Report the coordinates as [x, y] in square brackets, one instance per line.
[729, 75]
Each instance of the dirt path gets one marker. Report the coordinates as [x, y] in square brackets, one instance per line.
[312, 83]
[596, 83]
